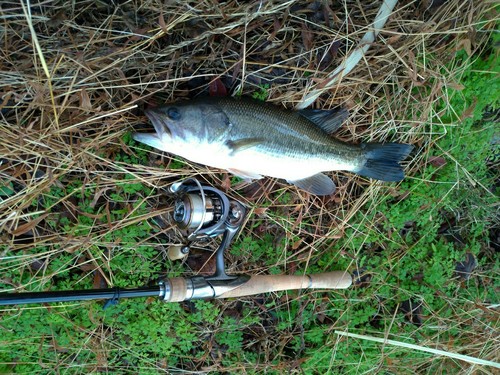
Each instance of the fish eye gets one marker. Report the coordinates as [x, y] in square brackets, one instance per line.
[173, 113]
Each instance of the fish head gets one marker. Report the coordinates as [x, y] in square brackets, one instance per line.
[188, 123]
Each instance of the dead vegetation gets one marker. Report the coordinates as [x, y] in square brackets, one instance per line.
[75, 77]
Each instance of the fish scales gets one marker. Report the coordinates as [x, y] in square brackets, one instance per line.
[294, 135]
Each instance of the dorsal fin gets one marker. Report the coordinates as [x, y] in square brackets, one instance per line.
[328, 120]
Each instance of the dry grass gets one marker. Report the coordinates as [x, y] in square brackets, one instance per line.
[74, 77]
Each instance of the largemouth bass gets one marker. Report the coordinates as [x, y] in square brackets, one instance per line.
[251, 139]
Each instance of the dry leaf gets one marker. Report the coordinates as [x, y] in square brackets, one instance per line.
[161, 22]
[307, 37]
[437, 161]
[85, 103]
[217, 88]
[21, 229]
[469, 112]
[456, 86]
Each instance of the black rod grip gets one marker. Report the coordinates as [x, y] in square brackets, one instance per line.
[76, 295]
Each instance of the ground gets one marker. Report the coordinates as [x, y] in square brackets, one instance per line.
[82, 205]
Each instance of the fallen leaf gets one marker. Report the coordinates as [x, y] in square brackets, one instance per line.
[21, 229]
[217, 88]
[412, 311]
[161, 22]
[307, 38]
[85, 103]
[456, 86]
[437, 161]
[465, 268]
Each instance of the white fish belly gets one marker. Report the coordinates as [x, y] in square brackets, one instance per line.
[287, 167]
[209, 154]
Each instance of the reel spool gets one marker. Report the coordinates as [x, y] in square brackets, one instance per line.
[192, 214]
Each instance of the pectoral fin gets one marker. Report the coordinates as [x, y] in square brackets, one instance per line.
[243, 144]
[319, 184]
[328, 120]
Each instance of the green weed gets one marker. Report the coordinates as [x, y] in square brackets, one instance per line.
[262, 93]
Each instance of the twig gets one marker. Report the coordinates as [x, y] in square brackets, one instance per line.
[352, 60]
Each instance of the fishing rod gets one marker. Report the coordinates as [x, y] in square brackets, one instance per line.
[202, 212]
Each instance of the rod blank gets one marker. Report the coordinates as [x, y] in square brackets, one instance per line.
[76, 295]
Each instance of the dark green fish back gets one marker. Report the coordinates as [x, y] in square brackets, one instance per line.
[265, 116]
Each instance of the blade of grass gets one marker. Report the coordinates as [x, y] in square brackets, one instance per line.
[466, 358]
[27, 13]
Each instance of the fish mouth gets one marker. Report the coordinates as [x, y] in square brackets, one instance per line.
[159, 123]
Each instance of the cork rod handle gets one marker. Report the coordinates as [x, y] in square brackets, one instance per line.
[274, 283]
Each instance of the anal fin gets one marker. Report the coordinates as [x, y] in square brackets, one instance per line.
[319, 184]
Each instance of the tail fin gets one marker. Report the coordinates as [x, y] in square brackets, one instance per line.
[383, 161]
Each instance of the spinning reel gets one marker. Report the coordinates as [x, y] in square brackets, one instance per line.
[205, 212]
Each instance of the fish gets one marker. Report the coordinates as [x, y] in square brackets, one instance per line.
[253, 139]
